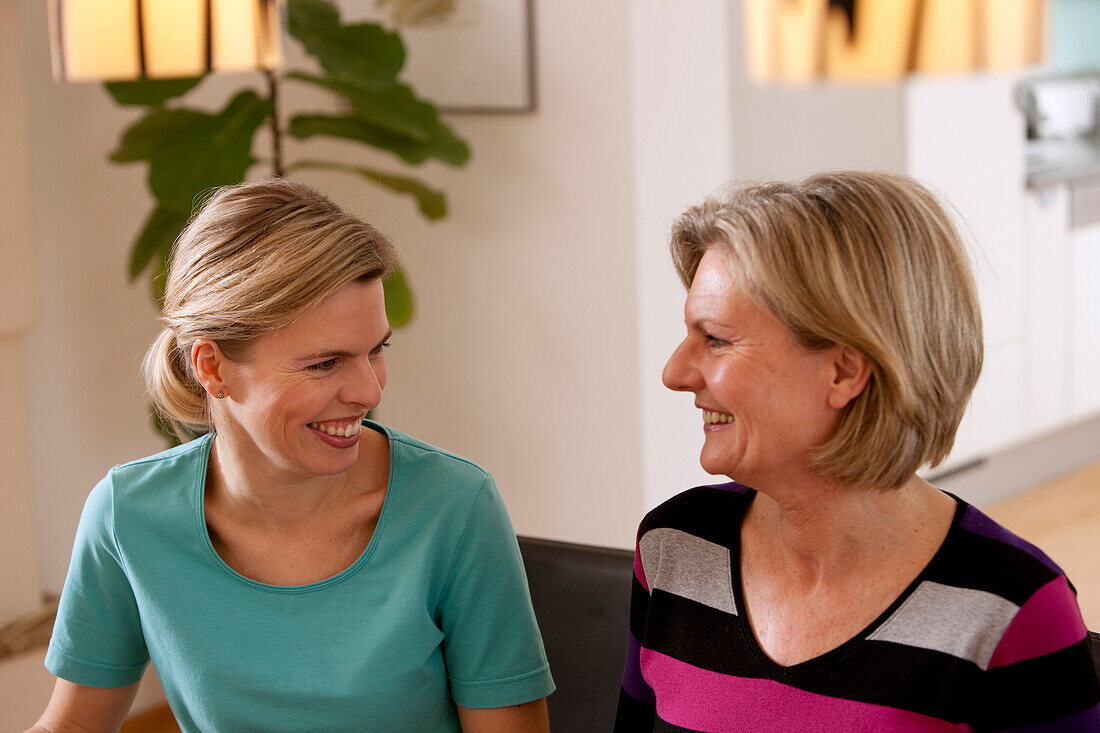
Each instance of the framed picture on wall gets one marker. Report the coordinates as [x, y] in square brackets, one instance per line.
[463, 55]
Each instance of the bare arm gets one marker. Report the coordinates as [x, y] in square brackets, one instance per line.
[530, 717]
[77, 708]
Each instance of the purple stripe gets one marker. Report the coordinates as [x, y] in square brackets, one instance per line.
[633, 682]
[712, 702]
[1084, 720]
[727, 486]
[978, 523]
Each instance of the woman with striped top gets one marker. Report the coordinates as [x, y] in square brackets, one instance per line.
[833, 340]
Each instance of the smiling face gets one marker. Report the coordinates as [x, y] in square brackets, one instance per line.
[295, 400]
[766, 401]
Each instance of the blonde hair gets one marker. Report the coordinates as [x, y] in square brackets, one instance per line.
[254, 259]
[871, 261]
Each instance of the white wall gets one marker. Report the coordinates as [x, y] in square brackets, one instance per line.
[19, 586]
[682, 118]
[791, 131]
[523, 353]
[86, 412]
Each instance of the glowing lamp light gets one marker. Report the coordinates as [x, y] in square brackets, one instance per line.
[803, 41]
[112, 40]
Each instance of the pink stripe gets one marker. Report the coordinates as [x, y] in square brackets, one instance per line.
[1050, 620]
[638, 572]
[711, 702]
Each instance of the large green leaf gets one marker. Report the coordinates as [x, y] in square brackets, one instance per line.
[432, 203]
[190, 151]
[399, 304]
[361, 51]
[156, 238]
[150, 92]
[389, 105]
[443, 144]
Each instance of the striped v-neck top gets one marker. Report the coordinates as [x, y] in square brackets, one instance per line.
[989, 636]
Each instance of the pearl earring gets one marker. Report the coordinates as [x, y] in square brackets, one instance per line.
[221, 395]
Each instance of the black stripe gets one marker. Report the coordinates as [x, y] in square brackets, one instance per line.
[698, 635]
[639, 608]
[708, 513]
[973, 561]
[1039, 690]
[663, 726]
[907, 678]
[633, 716]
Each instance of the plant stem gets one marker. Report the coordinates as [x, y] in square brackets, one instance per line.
[276, 130]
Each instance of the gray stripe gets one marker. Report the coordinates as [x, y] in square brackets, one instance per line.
[962, 622]
[689, 566]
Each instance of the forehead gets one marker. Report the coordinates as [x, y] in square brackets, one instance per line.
[720, 294]
[351, 319]
[717, 279]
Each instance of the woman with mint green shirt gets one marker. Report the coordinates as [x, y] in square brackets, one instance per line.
[298, 567]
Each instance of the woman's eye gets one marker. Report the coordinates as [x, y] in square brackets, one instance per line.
[322, 366]
[380, 348]
[714, 341]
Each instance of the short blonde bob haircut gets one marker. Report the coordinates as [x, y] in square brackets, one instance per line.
[871, 261]
[254, 259]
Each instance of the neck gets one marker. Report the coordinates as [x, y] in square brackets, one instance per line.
[259, 494]
[823, 530]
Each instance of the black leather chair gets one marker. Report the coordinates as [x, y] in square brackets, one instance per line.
[581, 596]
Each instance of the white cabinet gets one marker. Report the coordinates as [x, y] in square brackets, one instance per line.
[1037, 261]
[965, 138]
[1084, 341]
[1047, 301]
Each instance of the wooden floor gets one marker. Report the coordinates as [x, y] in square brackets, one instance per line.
[1062, 517]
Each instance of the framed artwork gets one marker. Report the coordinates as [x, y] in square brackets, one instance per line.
[463, 55]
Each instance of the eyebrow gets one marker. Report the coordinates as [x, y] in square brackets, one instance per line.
[343, 354]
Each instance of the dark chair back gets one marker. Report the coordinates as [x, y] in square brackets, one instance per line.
[581, 596]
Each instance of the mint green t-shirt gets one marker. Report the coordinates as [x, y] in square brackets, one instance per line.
[435, 612]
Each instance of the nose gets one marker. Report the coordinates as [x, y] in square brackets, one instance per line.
[365, 383]
[679, 374]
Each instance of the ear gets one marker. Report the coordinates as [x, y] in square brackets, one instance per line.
[209, 364]
[850, 372]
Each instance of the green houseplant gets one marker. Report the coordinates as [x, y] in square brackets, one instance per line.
[190, 151]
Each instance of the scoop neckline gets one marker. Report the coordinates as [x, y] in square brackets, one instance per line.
[350, 570]
[830, 657]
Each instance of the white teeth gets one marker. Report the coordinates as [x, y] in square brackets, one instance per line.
[716, 417]
[344, 432]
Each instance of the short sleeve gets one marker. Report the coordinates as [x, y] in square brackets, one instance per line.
[492, 644]
[97, 639]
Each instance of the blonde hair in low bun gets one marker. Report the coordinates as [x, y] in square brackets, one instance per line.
[254, 259]
[177, 396]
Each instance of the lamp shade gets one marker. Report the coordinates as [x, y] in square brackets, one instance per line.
[111, 40]
[884, 40]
